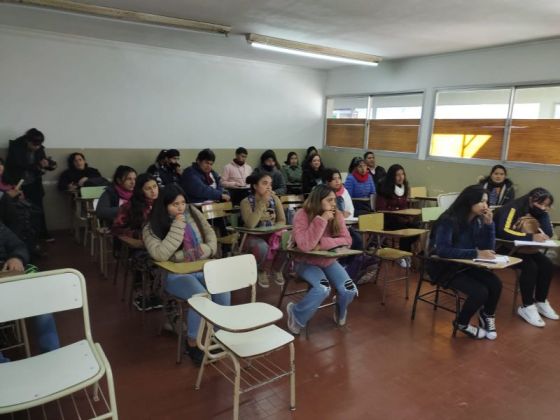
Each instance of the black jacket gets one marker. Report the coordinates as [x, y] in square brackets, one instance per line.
[164, 175]
[11, 246]
[506, 216]
[310, 179]
[73, 175]
[506, 194]
[108, 205]
[18, 162]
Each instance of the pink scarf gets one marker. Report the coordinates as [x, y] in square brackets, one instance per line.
[123, 194]
[340, 191]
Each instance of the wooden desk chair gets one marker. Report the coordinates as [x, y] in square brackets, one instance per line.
[74, 368]
[418, 192]
[372, 225]
[247, 336]
[221, 211]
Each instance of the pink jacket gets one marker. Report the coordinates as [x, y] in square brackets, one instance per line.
[234, 176]
[307, 235]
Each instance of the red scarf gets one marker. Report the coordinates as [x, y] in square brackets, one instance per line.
[122, 193]
[359, 177]
[340, 191]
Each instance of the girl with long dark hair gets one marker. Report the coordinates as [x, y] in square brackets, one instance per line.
[320, 226]
[499, 186]
[116, 194]
[79, 174]
[312, 173]
[536, 269]
[466, 231]
[178, 232]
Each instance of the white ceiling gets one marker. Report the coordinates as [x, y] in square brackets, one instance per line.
[391, 29]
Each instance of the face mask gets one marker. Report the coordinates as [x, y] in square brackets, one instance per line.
[537, 212]
[269, 168]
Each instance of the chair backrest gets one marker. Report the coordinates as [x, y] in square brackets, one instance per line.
[430, 214]
[42, 293]
[418, 192]
[91, 192]
[229, 274]
[372, 221]
[445, 200]
[216, 210]
[290, 199]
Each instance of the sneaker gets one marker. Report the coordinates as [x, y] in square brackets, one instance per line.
[546, 310]
[278, 278]
[472, 331]
[531, 315]
[292, 323]
[405, 262]
[155, 302]
[263, 279]
[488, 322]
[338, 320]
[368, 276]
[194, 353]
[138, 304]
[49, 239]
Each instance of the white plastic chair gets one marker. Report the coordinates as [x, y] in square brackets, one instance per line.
[38, 380]
[445, 200]
[246, 332]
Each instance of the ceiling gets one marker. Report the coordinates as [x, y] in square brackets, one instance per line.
[391, 29]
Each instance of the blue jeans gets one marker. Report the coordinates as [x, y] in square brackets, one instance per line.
[321, 279]
[185, 286]
[47, 335]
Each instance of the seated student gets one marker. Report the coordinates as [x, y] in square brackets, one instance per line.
[79, 174]
[320, 226]
[312, 174]
[178, 232]
[333, 179]
[393, 195]
[200, 182]
[527, 219]
[14, 257]
[377, 172]
[263, 208]
[499, 186]
[292, 173]
[166, 169]
[235, 174]
[116, 194]
[466, 231]
[269, 165]
[359, 185]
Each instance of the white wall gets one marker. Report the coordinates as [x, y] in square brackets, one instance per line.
[526, 63]
[84, 92]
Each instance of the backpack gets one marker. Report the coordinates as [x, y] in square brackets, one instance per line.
[527, 224]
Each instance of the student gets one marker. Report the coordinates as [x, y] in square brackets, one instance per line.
[500, 188]
[393, 194]
[28, 161]
[359, 185]
[166, 169]
[333, 179]
[235, 174]
[200, 182]
[292, 173]
[536, 268]
[269, 165]
[132, 215]
[178, 232]
[263, 208]
[312, 173]
[311, 150]
[376, 172]
[13, 258]
[79, 174]
[320, 226]
[466, 231]
[116, 194]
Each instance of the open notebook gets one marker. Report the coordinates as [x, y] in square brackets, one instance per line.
[500, 259]
[546, 244]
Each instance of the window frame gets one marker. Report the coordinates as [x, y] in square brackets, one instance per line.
[365, 143]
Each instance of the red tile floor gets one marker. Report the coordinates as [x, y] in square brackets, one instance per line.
[380, 366]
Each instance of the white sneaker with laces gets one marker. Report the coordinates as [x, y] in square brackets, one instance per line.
[489, 324]
[278, 278]
[531, 315]
[546, 310]
[292, 323]
[472, 331]
[405, 262]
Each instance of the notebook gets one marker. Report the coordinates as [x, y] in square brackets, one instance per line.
[546, 244]
[500, 259]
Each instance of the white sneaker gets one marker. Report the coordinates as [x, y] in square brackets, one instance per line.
[262, 279]
[472, 331]
[292, 323]
[278, 278]
[405, 262]
[546, 310]
[531, 315]
[488, 322]
[341, 322]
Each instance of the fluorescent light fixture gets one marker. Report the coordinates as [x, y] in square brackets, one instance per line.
[127, 15]
[311, 50]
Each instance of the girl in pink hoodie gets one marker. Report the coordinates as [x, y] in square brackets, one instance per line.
[320, 226]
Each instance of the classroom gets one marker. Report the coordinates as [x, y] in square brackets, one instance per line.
[279, 210]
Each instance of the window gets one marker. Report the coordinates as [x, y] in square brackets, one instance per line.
[535, 126]
[346, 121]
[470, 123]
[385, 122]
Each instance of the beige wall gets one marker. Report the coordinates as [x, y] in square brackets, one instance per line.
[440, 177]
